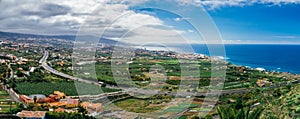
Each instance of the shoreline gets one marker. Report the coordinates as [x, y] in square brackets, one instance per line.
[267, 69]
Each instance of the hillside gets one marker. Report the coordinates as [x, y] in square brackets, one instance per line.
[287, 106]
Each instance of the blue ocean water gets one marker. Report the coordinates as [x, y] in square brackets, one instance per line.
[283, 58]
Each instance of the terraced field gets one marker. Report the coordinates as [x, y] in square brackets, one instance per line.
[6, 103]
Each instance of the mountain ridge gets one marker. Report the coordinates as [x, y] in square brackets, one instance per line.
[65, 37]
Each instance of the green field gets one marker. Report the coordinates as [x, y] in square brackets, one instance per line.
[69, 88]
[137, 105]
[179, 108]
[6, 103]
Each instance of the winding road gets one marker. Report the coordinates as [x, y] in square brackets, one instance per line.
[43, 63]
[10, 91]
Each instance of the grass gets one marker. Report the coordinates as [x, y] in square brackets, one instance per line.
[137, 105]
[181, 107]
[201, 109]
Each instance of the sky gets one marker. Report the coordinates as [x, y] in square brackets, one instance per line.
[158, 22]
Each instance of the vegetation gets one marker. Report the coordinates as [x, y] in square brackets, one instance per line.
[140, 105]
[7, 105]
[4, 71]
[227, 112]
[69, 88]
[181, 107]
[64, 115]
[285, 106]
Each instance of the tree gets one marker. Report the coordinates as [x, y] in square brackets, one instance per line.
[13, 85]
[4, 82]
[227, 112]
[239, 104]
[34, 99]
[82, 110]
[195, 117]
[30, 106]
[103, 85]
[19, 108]
[20, 74]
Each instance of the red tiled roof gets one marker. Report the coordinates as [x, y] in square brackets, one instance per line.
[31, 114]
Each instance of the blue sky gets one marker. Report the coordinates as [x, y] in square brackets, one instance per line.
[265, 23]
[238, 21]
[259, 23]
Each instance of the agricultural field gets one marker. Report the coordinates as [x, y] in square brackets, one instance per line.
[140, 71]
[179, 108]
[286, 106]
[6, 103]
[143, 105]
[137, 105]
[69, 88]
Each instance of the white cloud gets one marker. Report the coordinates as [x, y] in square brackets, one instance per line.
[212, 4]
[133, 20]
[61, 17]
[64, 16]
[285, 37]
[191, 31]
[146, 34]
[180, 19]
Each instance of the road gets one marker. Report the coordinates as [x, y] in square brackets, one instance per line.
[11, 71]
[10, 91]
[43, 63]
[14, 96]
[137, 91]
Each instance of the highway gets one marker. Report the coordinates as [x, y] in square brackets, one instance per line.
[43, 63]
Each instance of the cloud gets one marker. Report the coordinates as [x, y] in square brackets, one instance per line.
[145, 34]
[47, 10]
[213, 4]
[57, 17]
[191, 31]
[62, 17]
[285, 37]
[180, 19]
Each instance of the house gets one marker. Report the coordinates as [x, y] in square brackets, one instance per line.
[73, 101]
[60, 94]
[54, 98]
[26, 99]
[59, 110]
[97, 107]
[66, 110]
[58, 104]
[32, 114]
[44, 100]
[32, 69]
[263, 82]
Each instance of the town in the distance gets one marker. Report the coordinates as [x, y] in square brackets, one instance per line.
[38, 80]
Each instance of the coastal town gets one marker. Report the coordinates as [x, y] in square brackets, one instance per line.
[38, 81]
[149, 59]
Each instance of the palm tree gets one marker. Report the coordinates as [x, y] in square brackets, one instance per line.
[227, 112]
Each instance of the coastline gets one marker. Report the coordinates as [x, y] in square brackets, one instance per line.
[275, 57]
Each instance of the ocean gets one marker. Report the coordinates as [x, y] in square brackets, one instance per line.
[283, 58]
